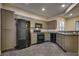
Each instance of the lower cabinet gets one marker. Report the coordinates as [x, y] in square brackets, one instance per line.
[71, 43]
[59, 40]
[68, 42]
[63, 41]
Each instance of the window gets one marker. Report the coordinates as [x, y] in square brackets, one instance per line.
[77, 26]
[61, 26]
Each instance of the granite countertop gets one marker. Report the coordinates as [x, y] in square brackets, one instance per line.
[68, 33]
[63, 32]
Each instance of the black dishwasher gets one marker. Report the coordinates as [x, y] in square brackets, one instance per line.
[53, 37]
[40, 37]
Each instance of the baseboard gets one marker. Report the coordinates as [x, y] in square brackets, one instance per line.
[8, 50]
[47, 41]
[40, 43]
[61, 47]
[34, 44]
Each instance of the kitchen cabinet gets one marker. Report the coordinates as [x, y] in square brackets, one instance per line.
[71, 43]
[68, 42]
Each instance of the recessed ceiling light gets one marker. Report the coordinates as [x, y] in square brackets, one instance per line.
[63, 5]
[43, 9]
[70, 14]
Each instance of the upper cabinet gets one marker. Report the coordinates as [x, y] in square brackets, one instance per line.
[7, 19]
[52, 24]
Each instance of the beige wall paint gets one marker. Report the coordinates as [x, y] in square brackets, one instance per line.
[0, 27]
[70, 23]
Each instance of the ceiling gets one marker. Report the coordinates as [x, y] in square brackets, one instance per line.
[52, 9]
[74, 12]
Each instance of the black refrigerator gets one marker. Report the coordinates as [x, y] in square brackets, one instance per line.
[23, 38]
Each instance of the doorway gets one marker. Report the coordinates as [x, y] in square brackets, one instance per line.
[23, 38]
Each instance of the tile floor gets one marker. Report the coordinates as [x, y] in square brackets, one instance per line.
[44, 49]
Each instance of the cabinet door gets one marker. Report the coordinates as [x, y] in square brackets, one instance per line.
[58, 39]
[63, 41]
[71, 43]
[8, 21]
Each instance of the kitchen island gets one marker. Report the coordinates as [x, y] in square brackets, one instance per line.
[68, 40]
